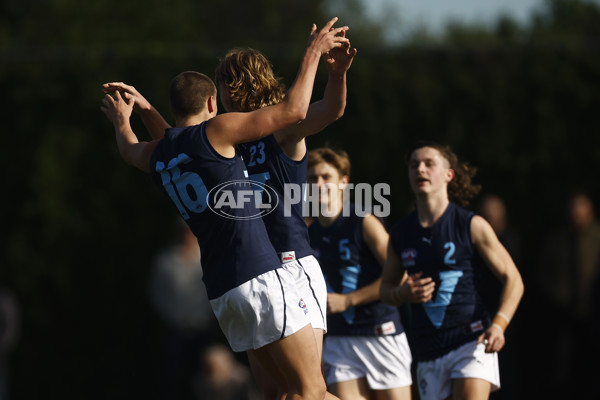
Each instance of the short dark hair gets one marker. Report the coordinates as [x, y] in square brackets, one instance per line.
[189, 91]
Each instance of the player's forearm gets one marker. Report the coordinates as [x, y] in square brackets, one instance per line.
[366, 294]
[154, 122]
[126, 140]
[512, 292]
[334, 98]
[297, 99]
[323, 112]
[388, 293]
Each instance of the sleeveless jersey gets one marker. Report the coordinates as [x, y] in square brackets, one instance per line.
[348, 265]
[269, 165]
[213, 195]
[456, 314]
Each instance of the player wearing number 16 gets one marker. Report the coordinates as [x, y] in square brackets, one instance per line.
[256, 302]
[443, 248]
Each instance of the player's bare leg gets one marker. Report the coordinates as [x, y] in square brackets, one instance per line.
[470, 389]
[357, 389]
[297, 358]
[319, 333]
[400, 393]
[275, 388]
[271, 382]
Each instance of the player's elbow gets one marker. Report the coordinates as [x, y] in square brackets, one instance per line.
[337, 110]
[128, 155]
[297, 114]
[520, 286]
[514, 283]
[294, 111]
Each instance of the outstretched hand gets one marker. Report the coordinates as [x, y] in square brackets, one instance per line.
[340, 59]
[140, 102]
[118, 108]
[327, 38]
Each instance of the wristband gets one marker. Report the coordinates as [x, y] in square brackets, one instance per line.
[497, 326]
[501, 314]
[501, 321]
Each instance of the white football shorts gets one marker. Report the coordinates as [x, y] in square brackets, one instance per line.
[384, 360]
[468, 361]
[311, 286]
[264, 309]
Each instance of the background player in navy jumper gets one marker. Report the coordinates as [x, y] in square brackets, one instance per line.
[366, 353]
[246, 82]
[443, 247]
[255, 300]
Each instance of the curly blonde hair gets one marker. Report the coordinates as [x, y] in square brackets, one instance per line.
[461, 188]
[249, 79]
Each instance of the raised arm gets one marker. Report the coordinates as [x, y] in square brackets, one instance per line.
[229, 129]
[325, 111]
[501, 264]
[118, 110]
[152, 119]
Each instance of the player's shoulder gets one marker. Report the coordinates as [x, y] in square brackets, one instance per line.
[480, 228]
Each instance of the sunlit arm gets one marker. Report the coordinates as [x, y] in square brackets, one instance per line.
[154, 122]
[152, 119]
[502, 265]
[337, 303]
[118, 110]
[132, 151]
[325, 111]
[332, 106]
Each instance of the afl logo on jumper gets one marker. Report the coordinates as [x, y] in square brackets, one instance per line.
[302, 305]
[409, 257]
[231, 197]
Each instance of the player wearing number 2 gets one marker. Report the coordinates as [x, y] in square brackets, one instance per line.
[256, 302]
[443, 247]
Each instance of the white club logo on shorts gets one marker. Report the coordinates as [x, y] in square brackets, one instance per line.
[302, 305]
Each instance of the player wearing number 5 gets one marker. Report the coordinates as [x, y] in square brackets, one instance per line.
[366, 353]
[443, 247]
[256, 302]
